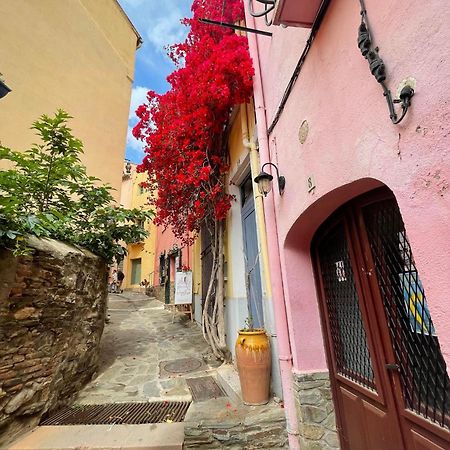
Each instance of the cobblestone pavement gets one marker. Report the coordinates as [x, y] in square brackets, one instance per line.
[139, 336]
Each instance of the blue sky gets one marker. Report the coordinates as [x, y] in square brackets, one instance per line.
[158, 22]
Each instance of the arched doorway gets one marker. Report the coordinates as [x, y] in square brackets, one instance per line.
[390, 383]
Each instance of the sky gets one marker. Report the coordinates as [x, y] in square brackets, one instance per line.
[158, 23]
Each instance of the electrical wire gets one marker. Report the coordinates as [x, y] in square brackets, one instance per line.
[298, 67]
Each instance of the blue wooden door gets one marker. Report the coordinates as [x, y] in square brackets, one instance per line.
[251, 251]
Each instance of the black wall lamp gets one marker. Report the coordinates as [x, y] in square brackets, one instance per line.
[378, 69]
[264, 180]
[3, 88]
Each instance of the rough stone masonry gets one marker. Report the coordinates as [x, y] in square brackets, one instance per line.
[317, 420]
[52, 311]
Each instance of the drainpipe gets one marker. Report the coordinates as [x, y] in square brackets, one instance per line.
[258, 199]
[281, 324]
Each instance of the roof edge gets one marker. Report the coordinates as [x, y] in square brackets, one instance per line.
[139, 40]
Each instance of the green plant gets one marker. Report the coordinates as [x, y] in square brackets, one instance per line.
[47, 193]
[248, 324]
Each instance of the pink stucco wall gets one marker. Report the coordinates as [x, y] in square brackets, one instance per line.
[165, 240]
[353, 147]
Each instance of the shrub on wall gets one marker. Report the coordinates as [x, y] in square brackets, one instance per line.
[47, 193]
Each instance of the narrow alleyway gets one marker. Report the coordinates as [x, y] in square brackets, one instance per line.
[139, 336]
[140, 344]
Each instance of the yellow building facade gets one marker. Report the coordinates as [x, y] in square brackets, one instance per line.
[139, 263]
[77, 55]
[247, 277]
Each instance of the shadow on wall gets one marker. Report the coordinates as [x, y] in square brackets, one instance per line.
[311, 379]
[301, 290]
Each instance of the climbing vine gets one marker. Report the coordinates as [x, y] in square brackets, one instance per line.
[185, 139]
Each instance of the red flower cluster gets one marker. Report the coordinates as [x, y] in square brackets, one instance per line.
[183, 129]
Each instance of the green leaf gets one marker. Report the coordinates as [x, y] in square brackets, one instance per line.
[47, 192]
[11, 234]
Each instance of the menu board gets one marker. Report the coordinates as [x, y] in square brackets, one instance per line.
[183, 288]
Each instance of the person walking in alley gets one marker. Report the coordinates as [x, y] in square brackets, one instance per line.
[120, 278]
[113, 282]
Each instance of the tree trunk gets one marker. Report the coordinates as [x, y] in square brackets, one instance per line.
[213, 324]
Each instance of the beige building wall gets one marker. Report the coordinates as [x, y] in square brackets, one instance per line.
[77, 55]
[133, 196]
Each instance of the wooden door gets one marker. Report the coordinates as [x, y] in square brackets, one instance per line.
[167, 280]
[207, 261]
[251, 253]
[136, 270]
[389, 379]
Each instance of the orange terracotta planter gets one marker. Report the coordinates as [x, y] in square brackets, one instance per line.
[254, 364]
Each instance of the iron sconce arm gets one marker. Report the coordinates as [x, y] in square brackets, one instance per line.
[267, 176]
[378, 69]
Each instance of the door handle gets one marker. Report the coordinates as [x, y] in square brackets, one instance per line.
[395, 367]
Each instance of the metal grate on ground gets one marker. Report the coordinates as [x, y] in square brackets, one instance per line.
[120, 414]
[204, 388]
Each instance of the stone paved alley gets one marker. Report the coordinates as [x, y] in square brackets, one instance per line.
[141, 335]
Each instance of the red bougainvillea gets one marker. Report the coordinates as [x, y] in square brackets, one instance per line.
[183, 129]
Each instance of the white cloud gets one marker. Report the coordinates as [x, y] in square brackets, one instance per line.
[166, 30]
[158, 21]
[133, 143]
[138, 97]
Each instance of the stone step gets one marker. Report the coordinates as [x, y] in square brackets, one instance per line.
[228, 378]
[158, 436]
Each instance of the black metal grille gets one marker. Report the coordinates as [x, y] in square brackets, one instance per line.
[347, 329]
[423, 373]
[204, 388]
[120, 413]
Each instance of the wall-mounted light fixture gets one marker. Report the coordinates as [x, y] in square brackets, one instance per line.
[264, 180]
[269, 5]
[378, 69]
[3, 88]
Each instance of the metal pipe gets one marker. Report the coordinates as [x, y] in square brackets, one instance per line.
[259, 203]
[235, 27]
[281, 323]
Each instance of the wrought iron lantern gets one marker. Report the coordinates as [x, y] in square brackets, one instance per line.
[264, 180]
[4, 90]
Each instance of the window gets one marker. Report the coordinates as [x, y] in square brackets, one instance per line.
[136, 271]
[246, 189]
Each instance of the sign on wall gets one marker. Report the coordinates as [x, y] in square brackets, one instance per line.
[183, 288]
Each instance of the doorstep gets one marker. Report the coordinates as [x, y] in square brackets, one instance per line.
[228, 378]
[157, 436]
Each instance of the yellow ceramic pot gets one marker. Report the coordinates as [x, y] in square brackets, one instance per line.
[254, 364]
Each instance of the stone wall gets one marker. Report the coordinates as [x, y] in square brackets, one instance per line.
[315, 409]
[253, 427]
[52, 311]
[159, 292]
